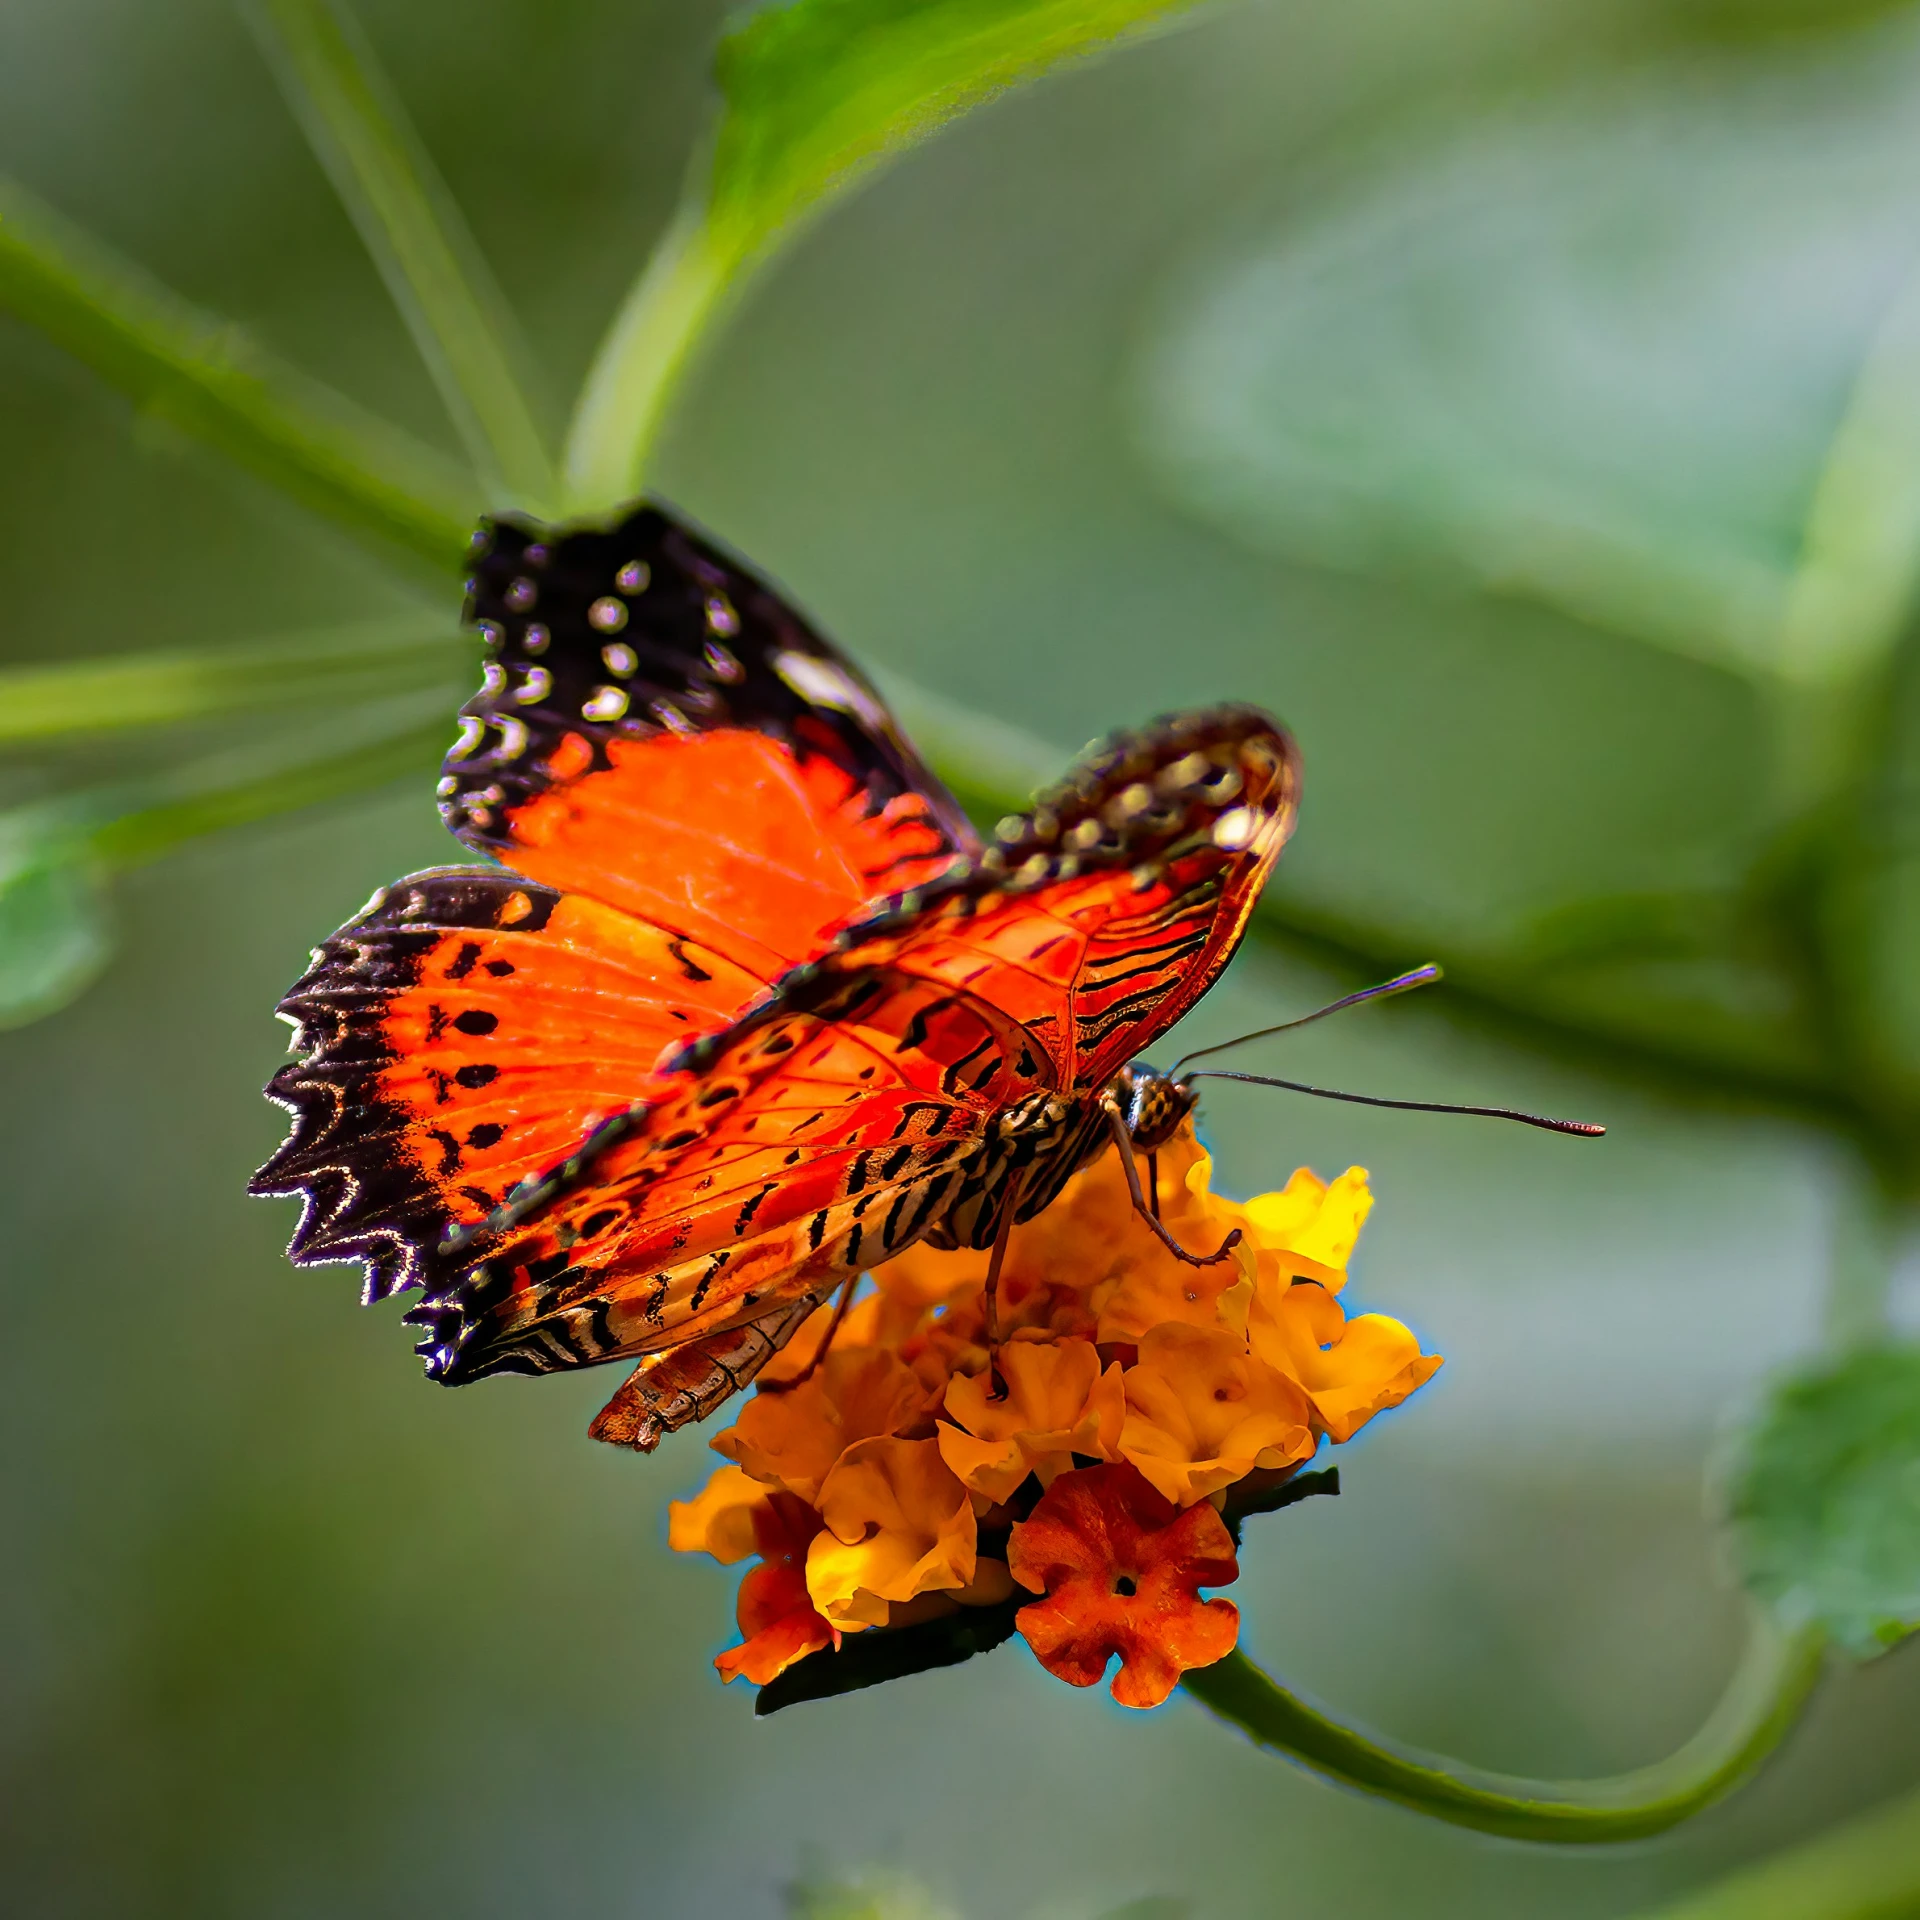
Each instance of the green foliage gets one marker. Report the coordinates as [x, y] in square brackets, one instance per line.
[1718, 458]
[817, 93]
[206, 378]
[339, 667]
[1866, 1869]
[820, 91]
[416, 235]
[54, 936]
[872, 1893]
[1825, 1499]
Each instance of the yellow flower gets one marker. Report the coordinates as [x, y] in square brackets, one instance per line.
[1351, 1369]
[1148, 1287]
[1202, 1413]
[898, 1524]
[1057, 1404]
[793, 1438]
[719, 1519]
[1308, 1229]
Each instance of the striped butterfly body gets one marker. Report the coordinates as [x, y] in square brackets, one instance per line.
[741, 1004]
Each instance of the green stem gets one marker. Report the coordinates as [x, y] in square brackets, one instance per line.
[204, 377]
[239, 790]
[1774, 1679]
[1867, 1225]
[644, 355]
[418, 239]
[339, 667]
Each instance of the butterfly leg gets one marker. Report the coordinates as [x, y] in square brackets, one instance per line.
[1123, 1145]
[806, 1373]
[1153, 1181]
[995, 1261]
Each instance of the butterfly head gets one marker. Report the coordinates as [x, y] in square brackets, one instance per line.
[1155, 1104]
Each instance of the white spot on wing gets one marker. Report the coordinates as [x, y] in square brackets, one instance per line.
[828, 685]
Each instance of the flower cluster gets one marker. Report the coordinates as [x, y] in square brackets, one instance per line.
[1079, 1470]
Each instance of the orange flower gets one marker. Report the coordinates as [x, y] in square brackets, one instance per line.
[794, 1437]
[1121, 1570]
[1351, 1369]
[775, 1611]
[898, 1524]
[1203, 1413]
[1057, 1404]
[1308, 1229]
[730, 1518]
[719, 1518]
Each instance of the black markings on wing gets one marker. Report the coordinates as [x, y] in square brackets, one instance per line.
[641, 628]
[365, 1198]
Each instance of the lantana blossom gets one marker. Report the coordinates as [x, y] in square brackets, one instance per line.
[897, 1467]
[1120, 1572]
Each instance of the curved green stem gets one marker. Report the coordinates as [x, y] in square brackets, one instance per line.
[414, 230]
[1774, 1678]
[643, 356]
[207, 379]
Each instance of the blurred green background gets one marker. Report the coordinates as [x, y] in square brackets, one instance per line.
[1399, 367]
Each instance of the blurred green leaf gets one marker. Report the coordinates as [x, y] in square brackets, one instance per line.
[817, 93]
[1866, 1869]
[335, 667]
[1825, 1499]
[54, 935]
[870, 1893]
[204, 377]
[55, 858]
[417, 236]
[1645, 352]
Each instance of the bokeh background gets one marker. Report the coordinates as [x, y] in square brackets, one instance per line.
[1403, 368]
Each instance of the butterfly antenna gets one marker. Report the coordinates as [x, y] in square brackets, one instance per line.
[1583, 1129]
[1400, 983]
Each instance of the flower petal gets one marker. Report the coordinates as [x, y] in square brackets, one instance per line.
[792, 1438]
[1202, 1413]
[719, 1518]
[1052, 1409]
[898, 1524]
[1121, 1570]
[1350, 1369]
[1309, 1228]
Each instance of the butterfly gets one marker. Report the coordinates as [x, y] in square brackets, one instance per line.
[736, 1003]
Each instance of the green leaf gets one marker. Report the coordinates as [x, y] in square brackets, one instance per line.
[1574, 355]
[1824, 1500]
[334, 667]
[1866, 1869]
[55, 858]
[817, 93]
[204, 377]
[418, 239]
[54, 935]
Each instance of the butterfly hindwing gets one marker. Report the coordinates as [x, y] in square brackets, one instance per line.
[458, 1035]
[659, 729]
[810, 1146]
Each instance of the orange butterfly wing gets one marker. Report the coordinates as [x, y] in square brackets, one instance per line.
[891, 1088]
[669, 858]
[659, 730]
